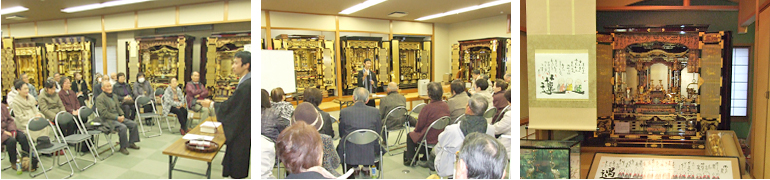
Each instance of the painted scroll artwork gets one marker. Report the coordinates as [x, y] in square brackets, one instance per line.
[650, 168]
[561, 75]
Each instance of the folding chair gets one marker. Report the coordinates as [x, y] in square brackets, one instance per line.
[108, 136]
[416, 110]
[76, 138]
[439, 124]
[38, 124]
[91, 99]
[362, 137]
[500, 116]
[141, 101]
[458, 119]
[334, 120]
[489, 114]
[401, 130]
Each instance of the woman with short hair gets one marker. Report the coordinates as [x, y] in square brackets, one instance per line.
[272, 123]
[300, 148]
[307, 113]
[24, 108]
[279, 103]
[173, 102]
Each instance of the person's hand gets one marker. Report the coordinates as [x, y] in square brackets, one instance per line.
[197, 96]
[80, 93]
[371, 81]
[7, 133]
[127, 98]
[39, 115]
[75, 112]
[121, 118]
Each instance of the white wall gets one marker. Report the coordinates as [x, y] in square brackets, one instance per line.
[443, 52]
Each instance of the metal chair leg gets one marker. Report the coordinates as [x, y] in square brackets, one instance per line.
[415, 154]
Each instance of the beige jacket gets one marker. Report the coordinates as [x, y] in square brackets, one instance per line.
[25, 109]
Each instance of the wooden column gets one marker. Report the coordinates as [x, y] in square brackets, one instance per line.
[337, 52]
[269, 39]
[104, 47]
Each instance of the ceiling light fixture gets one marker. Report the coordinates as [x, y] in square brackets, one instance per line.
[12, 10]
[101, 5]
[462, 10]
[361, 6]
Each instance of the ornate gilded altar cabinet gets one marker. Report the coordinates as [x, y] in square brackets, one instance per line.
[164, 57]
[313, 61]
[354, 51]
[489, 56]
[662, 86]
[216, 59]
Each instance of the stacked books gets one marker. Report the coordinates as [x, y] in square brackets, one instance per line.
[210, 127]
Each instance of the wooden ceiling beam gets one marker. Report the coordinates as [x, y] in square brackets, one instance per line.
[669, 8]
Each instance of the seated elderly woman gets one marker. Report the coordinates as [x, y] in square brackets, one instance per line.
[24, 108]
[307, 113]
[300, 148]
[279, 103]
[173, 102]
[272, 123]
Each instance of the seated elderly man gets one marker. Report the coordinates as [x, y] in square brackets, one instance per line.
[111, 115]
[196, 96]
[451, 139]
[390, 102]
[358, 116]
[98, 85]
[459, 100]
[481, 157]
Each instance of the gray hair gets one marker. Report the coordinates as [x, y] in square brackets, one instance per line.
[392, 86]
[484, 156]
[478, 104]
[361, 94]
[508, 75]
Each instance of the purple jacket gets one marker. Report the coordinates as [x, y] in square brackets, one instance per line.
[9, 123]
[195, 89]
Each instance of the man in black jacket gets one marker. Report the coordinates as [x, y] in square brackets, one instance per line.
[235, 116]
[368, 80]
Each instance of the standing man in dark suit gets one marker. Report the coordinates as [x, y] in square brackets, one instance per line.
[235, 116]
[359, 116]
[368, 80]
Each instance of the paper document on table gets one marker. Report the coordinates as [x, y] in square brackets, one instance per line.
[347, 174]
[211, 124]
[195, 136]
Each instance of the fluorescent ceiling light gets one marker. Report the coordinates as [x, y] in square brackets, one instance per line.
[361, 6]
[101, 5]
[462, 10]
[12, 10]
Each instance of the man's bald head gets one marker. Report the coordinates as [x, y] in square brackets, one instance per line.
[392, 87]
[114, 76]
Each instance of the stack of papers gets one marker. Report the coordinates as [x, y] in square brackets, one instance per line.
[197, 137]
[210, 126]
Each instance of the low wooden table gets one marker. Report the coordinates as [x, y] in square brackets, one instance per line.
[178, 149]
